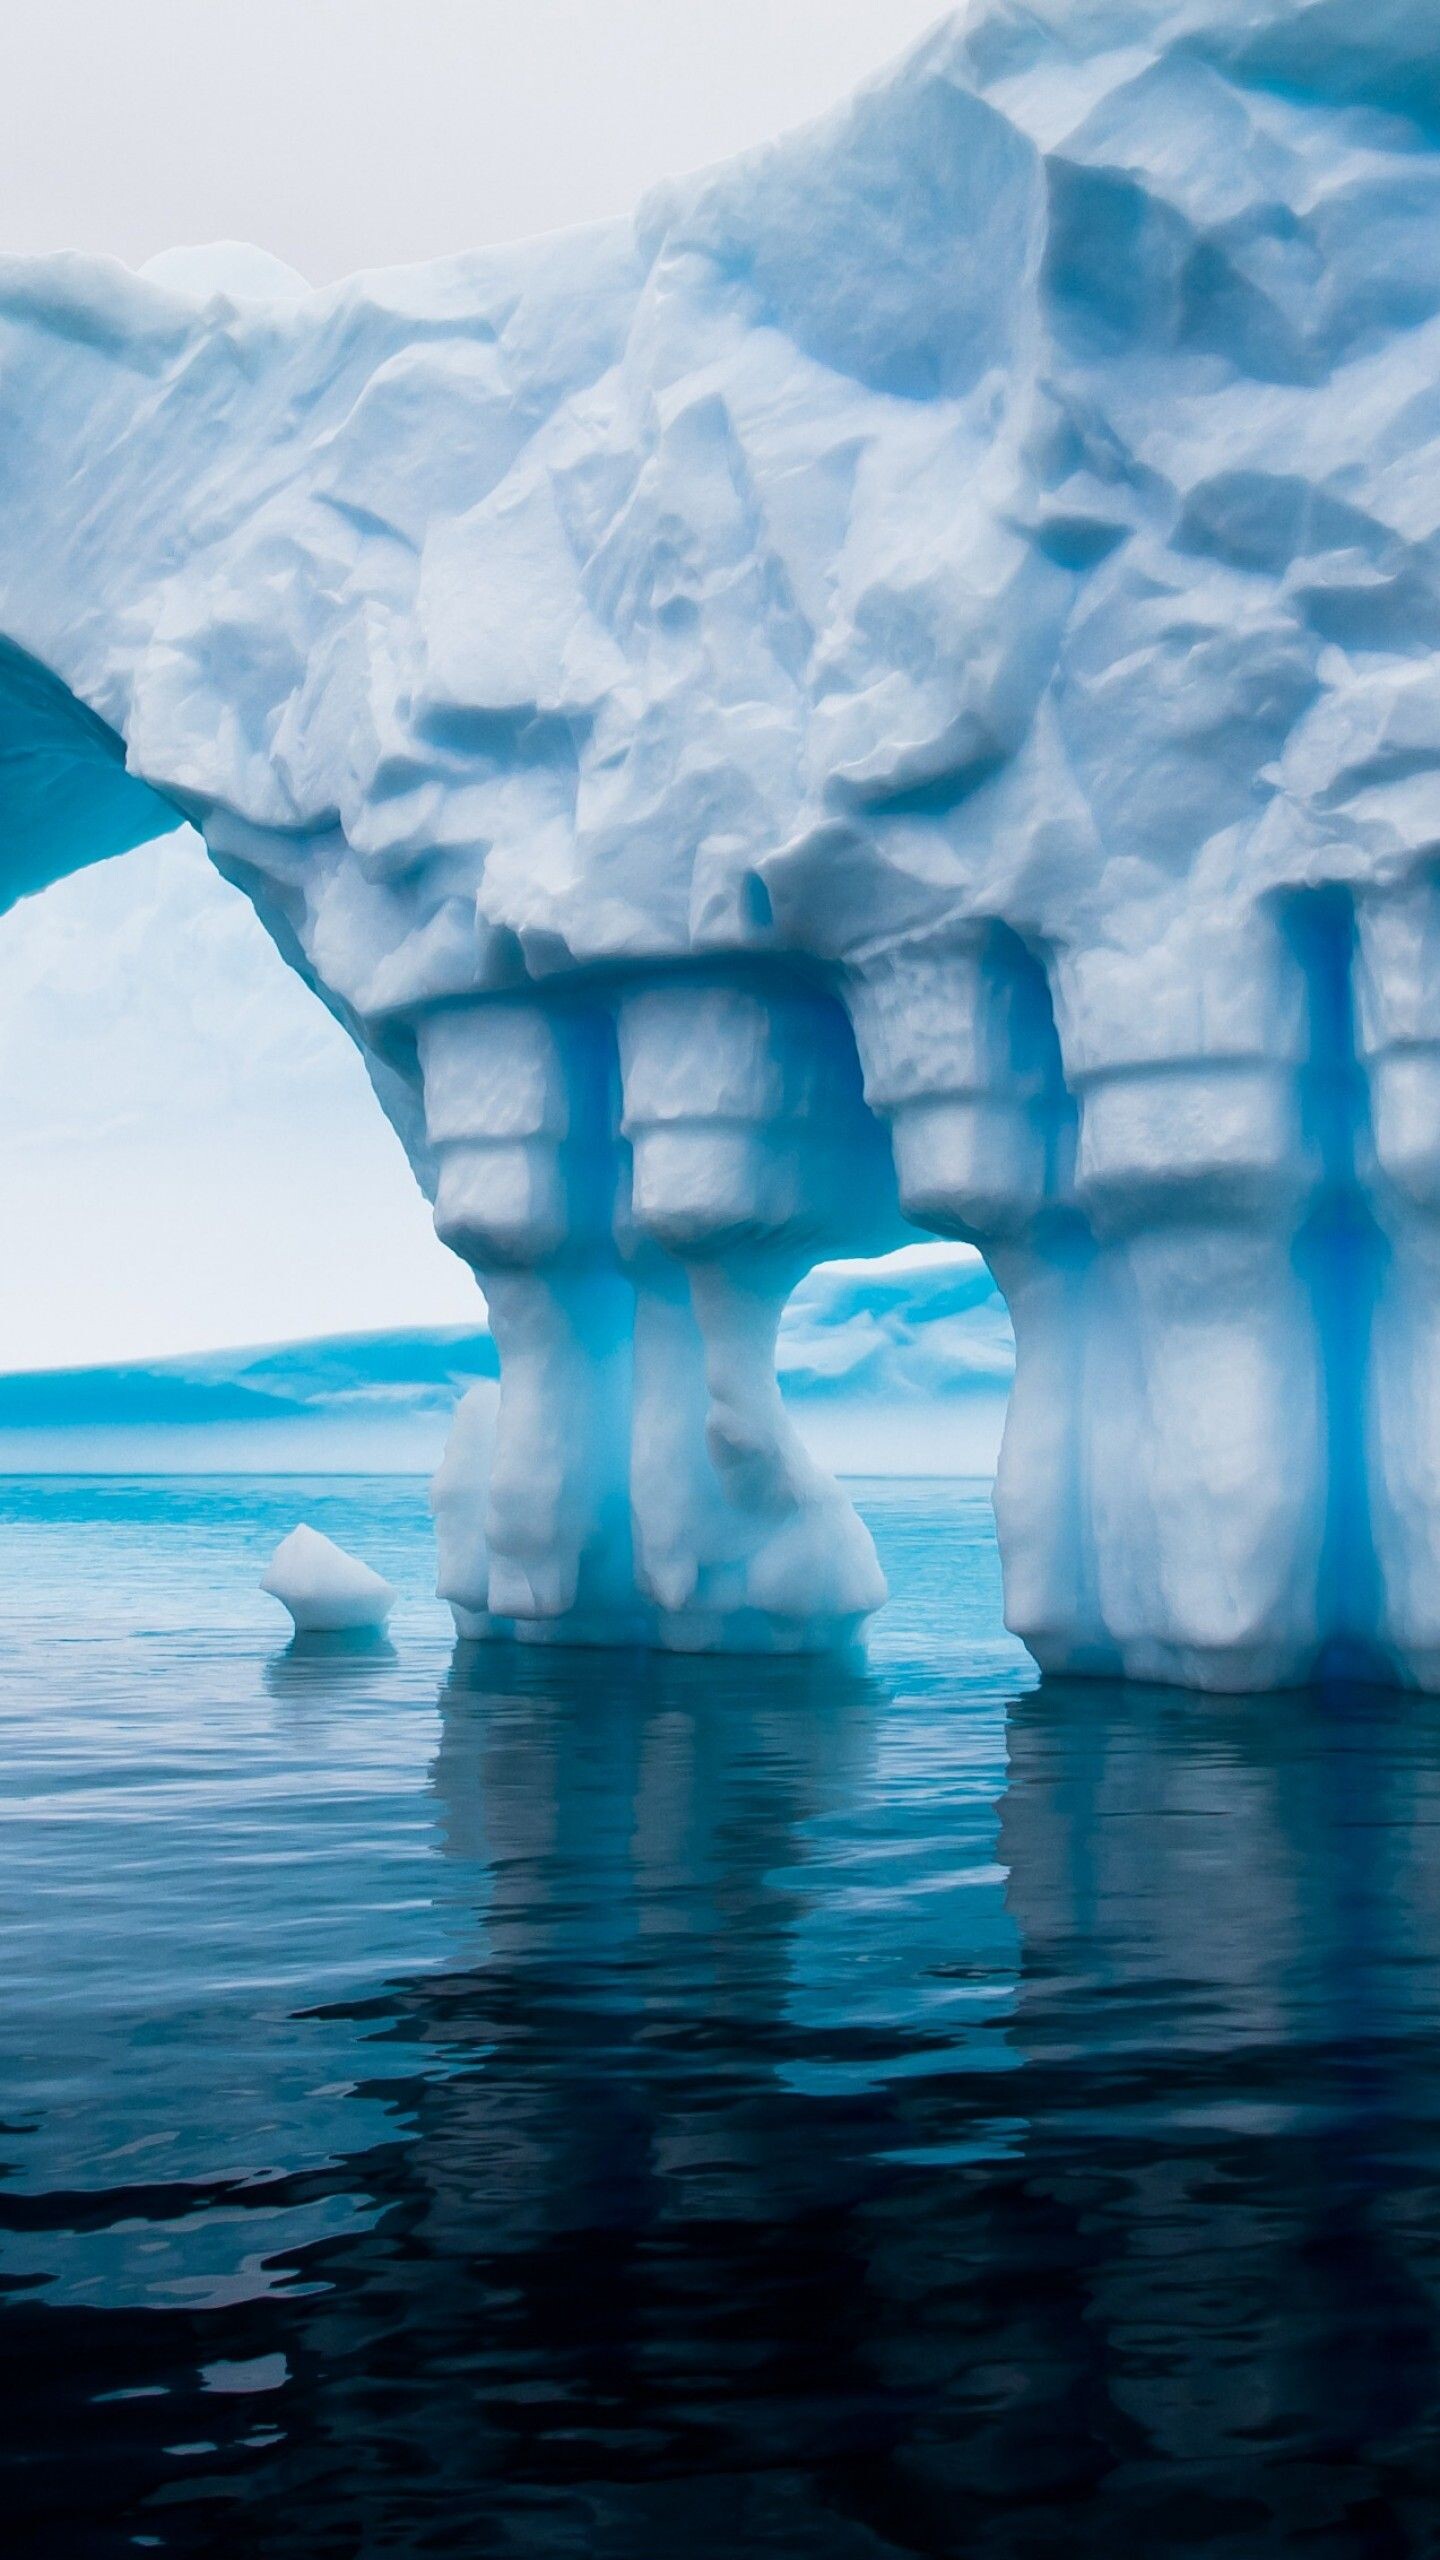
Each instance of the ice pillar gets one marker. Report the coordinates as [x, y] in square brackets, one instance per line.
[638, 1180]
[751, 1158]
[516, 1109]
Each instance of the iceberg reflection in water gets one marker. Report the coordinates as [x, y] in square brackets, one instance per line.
[540, 2103]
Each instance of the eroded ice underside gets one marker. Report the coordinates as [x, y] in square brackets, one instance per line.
[899, 687]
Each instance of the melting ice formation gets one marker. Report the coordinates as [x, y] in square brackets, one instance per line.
[898, 689]
[326, 1591]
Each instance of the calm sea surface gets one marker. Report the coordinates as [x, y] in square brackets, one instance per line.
[498, 2103]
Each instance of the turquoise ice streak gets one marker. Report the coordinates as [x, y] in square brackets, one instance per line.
[537, 2103]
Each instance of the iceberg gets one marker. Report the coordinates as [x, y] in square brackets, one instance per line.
[895, 692]
[326, 1591]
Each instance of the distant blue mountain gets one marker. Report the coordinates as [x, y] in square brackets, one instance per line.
[889, 1365]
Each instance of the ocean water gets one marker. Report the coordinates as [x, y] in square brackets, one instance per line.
[502, 2103]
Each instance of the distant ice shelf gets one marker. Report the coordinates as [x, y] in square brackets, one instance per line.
[895, 1367]
[897, 692]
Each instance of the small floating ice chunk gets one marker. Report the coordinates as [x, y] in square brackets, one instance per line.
[325, 1591]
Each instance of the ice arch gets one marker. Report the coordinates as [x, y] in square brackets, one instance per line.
[646, 1481]
[900, 683]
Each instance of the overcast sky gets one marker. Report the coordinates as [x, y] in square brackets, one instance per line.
[190, 1155]
[345, 133]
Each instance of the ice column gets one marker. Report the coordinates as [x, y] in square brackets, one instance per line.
[639, 1178]
[752, 1157]
[517, 1109]
[1398, 1042]
[1204, 1442]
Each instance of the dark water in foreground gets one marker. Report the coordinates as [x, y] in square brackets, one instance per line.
[510, 2105]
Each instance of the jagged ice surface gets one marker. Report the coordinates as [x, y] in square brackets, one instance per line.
[897, 690]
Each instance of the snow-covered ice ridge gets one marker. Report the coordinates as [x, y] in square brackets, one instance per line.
[898, 689]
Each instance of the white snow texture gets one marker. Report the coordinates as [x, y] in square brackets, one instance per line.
[897, 690]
